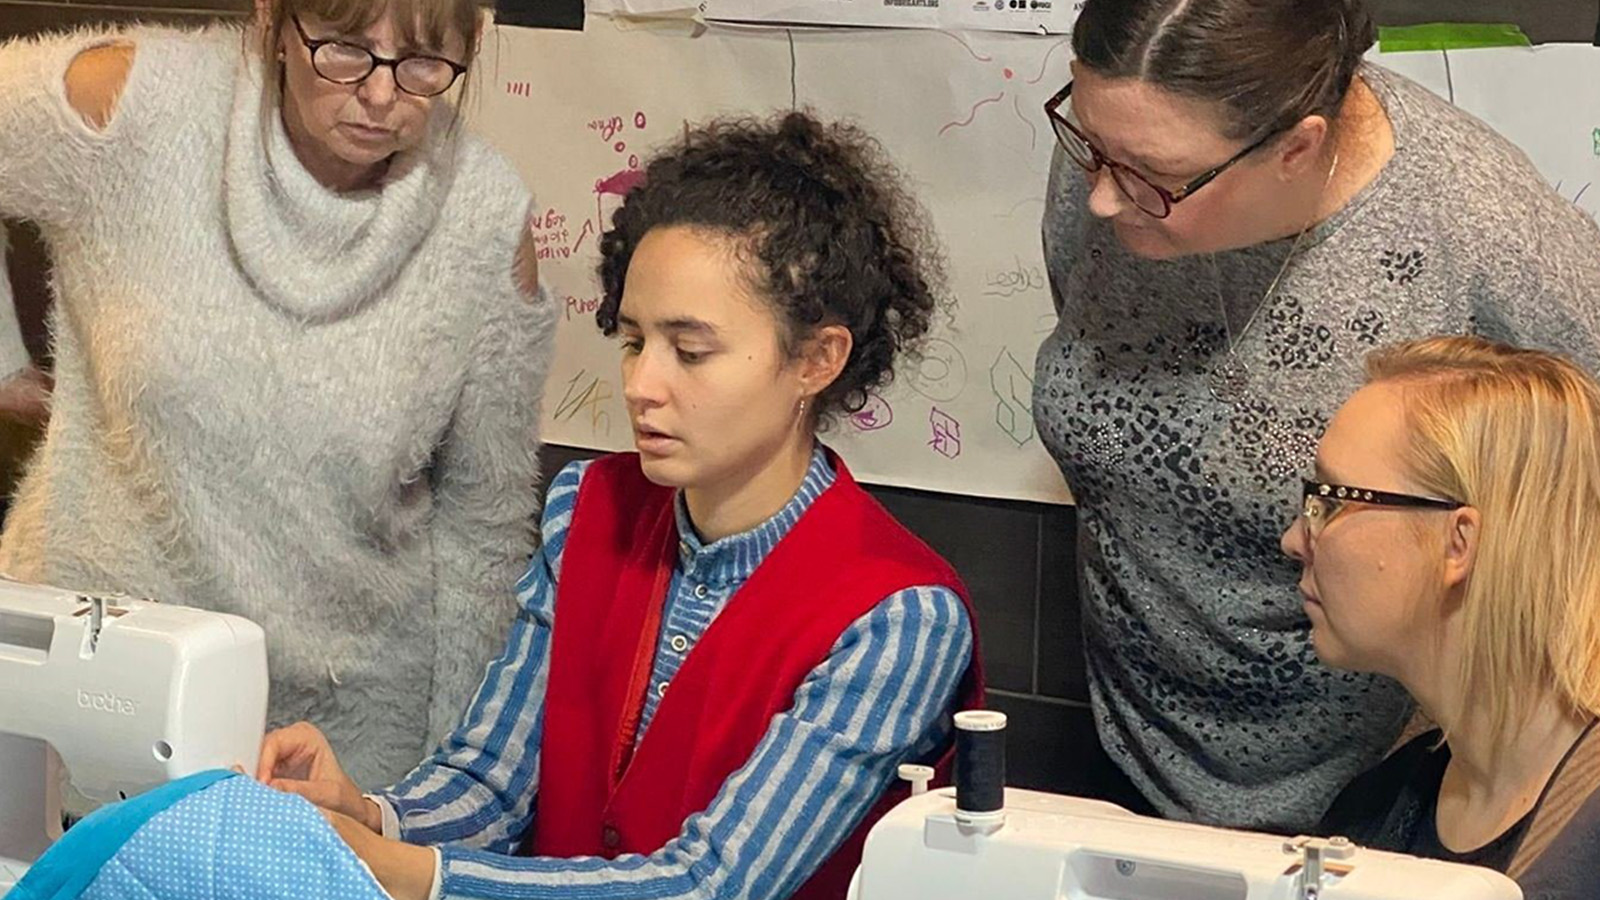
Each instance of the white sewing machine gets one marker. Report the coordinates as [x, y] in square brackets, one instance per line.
[1050, 847]
[122, 694]
[983, 840]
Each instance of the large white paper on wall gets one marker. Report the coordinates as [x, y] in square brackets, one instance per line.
[962, 115]
[1547, 101]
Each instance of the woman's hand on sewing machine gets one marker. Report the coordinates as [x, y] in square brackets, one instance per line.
[406, 871]
[299, 760]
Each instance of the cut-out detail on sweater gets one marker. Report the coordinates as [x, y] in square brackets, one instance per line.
[525, 267]
[95, 80]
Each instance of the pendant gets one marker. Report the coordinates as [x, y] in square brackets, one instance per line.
[1229, 380]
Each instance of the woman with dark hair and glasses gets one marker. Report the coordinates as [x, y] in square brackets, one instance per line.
[1239, 207]
[298, 347]
[1451, 541]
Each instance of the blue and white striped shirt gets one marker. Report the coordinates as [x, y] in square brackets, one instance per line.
[882, 697]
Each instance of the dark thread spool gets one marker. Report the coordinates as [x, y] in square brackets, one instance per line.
[980, 761]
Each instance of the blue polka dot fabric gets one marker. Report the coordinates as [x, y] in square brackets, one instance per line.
[235, 840]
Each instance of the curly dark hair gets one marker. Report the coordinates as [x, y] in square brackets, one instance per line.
[828, 234]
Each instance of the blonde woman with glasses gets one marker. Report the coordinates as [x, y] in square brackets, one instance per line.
[298, 348]
[1450, 540]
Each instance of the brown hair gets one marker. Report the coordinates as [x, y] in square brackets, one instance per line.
[421, 23]
[1267, 63]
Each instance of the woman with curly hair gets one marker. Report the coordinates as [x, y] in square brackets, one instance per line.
[749, 645]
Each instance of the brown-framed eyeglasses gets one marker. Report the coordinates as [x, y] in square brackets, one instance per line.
[342, 62]
[1152, 199]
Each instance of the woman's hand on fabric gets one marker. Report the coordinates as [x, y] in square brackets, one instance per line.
[405, 870]
[299, 760]
[25, 396]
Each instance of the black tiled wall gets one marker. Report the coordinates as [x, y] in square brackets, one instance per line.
[1018, 558]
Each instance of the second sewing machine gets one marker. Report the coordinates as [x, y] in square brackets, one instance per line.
[114, 696]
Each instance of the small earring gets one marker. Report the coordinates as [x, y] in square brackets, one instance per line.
[802, 407]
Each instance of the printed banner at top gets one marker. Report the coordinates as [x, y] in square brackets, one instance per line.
[1026, 16]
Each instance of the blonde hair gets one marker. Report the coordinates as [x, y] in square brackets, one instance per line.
[1514, 433]
[421, 23]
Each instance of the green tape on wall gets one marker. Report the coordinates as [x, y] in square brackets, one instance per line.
[1449, 36]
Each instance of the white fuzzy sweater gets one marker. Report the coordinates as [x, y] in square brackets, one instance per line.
[318, 411]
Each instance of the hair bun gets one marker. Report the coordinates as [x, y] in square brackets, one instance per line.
[1360, 28]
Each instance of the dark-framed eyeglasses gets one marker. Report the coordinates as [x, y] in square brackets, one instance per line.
[1322, 501]
[1152, 199]
[344, 63]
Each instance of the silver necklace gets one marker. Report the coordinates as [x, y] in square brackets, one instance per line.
[1229, 380]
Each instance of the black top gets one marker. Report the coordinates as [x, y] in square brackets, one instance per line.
[1393, 807]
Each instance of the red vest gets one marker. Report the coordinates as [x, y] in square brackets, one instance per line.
[599, 795]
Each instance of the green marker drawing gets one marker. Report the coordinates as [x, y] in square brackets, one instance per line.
[1597, 142]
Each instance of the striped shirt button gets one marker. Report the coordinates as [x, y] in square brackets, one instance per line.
[661, 689]
[679, 643]
[700, 592]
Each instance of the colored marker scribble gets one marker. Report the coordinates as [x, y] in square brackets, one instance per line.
[946, 440]
[874, 416]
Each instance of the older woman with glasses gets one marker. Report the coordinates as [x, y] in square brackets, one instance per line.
[1451, 542]
[1239, 208]
[298, 347]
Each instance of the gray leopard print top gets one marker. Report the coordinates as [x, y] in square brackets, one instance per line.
[1205, 688]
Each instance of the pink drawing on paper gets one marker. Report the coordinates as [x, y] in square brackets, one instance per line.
[946, 440]
[555, 236]
[874, 416]
[1010, 86]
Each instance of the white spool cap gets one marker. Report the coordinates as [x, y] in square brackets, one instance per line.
[980, 720]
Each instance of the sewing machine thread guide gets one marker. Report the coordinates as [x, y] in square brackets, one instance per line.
[1316, 860]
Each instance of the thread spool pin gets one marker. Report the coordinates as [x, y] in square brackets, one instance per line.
[919, 776]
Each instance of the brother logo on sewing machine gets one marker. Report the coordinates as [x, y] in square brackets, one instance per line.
[107, 703]
[190, 694]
